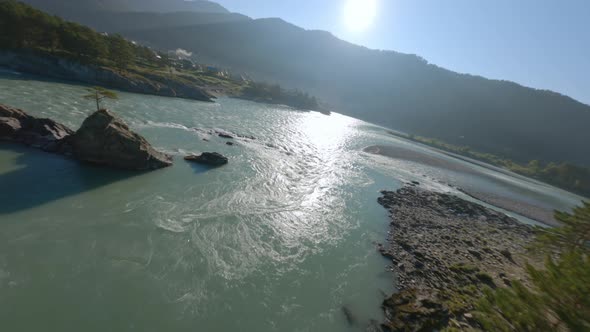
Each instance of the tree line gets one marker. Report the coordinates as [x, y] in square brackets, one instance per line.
[274, 93]
[24, 27]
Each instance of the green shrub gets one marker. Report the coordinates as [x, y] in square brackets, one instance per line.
[559, 298]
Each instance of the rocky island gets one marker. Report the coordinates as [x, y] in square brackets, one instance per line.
[103, 139]
[445, 251]
[19, 127]
[208, 158]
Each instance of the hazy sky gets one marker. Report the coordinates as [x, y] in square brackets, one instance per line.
[538, 43]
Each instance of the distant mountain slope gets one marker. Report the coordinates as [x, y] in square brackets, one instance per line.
[396, 90]
[388, 88]
[159, 6]
[121, 15]
[122, 21]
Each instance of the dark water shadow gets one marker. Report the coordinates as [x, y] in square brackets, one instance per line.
[200, 168]
[44, 177]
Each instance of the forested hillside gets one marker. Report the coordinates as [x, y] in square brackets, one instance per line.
[35, 35]
[24, 27]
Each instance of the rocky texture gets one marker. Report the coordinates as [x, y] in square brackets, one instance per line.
[208, 158]
[136, 82]
[105, 139]
[445, 251]
[102, 139]
[223, 134]
[17, 126]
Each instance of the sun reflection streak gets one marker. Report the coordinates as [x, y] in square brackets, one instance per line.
[327, 133]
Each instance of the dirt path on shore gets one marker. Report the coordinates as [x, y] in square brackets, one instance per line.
[445, 251]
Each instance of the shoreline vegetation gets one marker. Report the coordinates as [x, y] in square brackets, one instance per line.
[36, 43]
[463, 267]
[563, 175]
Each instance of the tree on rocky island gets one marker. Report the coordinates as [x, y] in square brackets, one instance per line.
[98, 93]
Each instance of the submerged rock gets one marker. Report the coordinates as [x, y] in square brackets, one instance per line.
[350, 318]
[105, 139]
[17, 126]
[208, 158]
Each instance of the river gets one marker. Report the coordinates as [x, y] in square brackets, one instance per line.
[280, 239]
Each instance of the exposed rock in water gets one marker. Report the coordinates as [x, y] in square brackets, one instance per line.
[208, 158]
[224, 135]
[19, 127]
[105, 139]
[446, 251]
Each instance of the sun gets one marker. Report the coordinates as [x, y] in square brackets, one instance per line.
[358, 15]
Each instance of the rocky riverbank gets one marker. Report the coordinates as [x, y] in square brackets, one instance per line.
[525, 208]
[445, 251]
[51, 66]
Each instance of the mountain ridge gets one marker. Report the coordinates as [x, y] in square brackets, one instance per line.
[393, 89]
[61, 6]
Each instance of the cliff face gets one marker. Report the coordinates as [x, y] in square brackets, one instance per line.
[61, 68]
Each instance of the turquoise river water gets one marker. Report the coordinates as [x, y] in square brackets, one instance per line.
[281, 239]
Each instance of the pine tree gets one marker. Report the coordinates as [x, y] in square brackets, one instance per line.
[98, 93]
[560, 295]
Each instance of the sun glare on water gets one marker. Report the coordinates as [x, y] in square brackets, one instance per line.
[358, 15]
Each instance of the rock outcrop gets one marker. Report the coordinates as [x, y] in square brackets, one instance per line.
[19, 127]
[130, 81]
[105, 139]
[208, 158]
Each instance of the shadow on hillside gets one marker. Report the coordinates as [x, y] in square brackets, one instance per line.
[40, 178]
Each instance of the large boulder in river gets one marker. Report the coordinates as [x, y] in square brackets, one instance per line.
[105, 139]
[17, 126]
[208, 158]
